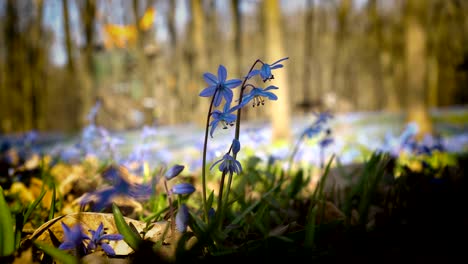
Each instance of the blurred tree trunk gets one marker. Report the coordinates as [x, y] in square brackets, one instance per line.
[143, 62]
[197, 59]
[416, 63]
[236, 43]
[13, 119]
[73, 87]
[88, 89]
[337, 75]
[309, 99]
[174, 94]
[68, 38]
[280, 110]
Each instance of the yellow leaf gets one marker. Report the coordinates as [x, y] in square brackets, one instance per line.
[148, 18]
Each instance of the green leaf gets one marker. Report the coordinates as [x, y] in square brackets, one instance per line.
[57, 254]
[132, 239]
[7, 234]
[52, 204]
[34, 204]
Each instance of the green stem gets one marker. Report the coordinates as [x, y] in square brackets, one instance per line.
[220, 200]
[205, 146]
[228, 190]
[171, 209]
[293, 154]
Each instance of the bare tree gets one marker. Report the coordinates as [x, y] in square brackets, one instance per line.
[416, 74]
[280, 111]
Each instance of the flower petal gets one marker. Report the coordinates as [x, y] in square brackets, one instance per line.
[280, 60]
[183, 188]
[108, 249]
[174, 171]
[222, 74]
[233, 83]
[208, 91]
[210, 78]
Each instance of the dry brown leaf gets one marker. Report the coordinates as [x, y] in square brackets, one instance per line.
[91, 221]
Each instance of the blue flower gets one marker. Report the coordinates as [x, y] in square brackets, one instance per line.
[74, 239]
[228, 164]
[122, 184]
[226, 117]
[182, 218]
[256, 95]
[323, 117]
[220, 86]
[235, 146]
[174, 171]
[326, 142]
[98, 238]
[312, 131]
[183, 188]
[265, 71]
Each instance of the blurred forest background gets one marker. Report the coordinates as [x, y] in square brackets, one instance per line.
[144, 59]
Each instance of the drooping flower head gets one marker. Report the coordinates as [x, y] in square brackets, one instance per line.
[219, 86]
[174, 171]
[226, 117]
[182, 188]
[228, 164]
[257, 95]
[265, 70]
[182, 218]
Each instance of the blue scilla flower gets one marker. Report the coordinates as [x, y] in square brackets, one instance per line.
[182, 188]
[99, 238]
[182, 218]
[226, 117]
[265, 71]
[323, 117]
[228, 164]
[235, 146]
[257, 94]
[173, 171]
[74, 239]
[220, 86]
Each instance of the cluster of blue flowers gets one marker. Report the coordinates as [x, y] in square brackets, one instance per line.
[81, 244]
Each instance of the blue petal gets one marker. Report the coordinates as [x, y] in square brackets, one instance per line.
[174, 171]
[271, 87]
[280, 60]
[67, 245]
[235, 146]
[277, 66]
[210, 78]
[183, 188]
[108, 249]
[271, 96]
[111, 237]
[217, 100]
[227, 96]
[222, 74]
[253, 73]
[233, 83]
[208, 91]
[182, 218]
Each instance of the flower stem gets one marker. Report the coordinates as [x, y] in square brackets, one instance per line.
[220, 200]
[171, 209]
[205, 146]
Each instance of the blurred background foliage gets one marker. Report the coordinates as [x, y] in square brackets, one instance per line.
[144, 59]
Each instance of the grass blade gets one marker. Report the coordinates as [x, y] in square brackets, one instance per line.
[57, 254]
[132, 239]
[52, 204]
[7, 235]
[34, 204]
